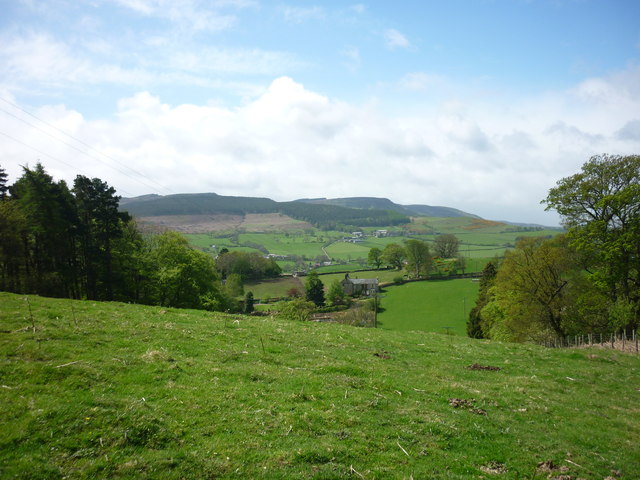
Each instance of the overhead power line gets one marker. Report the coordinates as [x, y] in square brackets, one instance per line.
[45, 154]
[139, 174]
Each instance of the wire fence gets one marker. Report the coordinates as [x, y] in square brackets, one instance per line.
[625, 340]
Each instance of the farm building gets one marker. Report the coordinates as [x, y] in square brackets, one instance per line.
[359, 286]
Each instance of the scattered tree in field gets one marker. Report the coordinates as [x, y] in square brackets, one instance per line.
[446, 246]
[314, 289]
[394, 256]
[293, 292]
[460, 264]
[375, 257]
[600, 207]
[248, 303]
[419, 259]
[336, 295]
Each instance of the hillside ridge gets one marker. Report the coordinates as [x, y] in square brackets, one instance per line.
[324, 213]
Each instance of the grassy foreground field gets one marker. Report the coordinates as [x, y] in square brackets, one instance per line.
[123, 391]
[429, 306]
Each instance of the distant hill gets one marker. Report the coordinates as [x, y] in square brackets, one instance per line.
[386, 204]
[326, 216]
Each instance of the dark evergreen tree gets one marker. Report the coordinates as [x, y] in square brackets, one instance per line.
[50, 266]
[100, 224]
[248, 303]
[4, 188]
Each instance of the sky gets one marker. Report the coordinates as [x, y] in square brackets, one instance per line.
[480, 105]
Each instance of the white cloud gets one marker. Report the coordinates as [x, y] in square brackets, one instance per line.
[395, 39]
[352, 54]
[186, 14]
[302, 14]
[37, 58]
[37, 62]
[419, 81]
[495, 160]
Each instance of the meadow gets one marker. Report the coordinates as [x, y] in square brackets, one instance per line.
[110, 390]
[480, 241]
[432, 306]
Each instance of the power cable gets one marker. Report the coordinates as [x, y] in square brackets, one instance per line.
[48, 155]
[76, 148]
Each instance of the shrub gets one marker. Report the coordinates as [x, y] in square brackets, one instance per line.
[297, 309]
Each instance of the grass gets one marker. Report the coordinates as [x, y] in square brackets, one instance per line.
[273, 288]
[480, 241]
[429, 306]
[382, 275]
[123, 391]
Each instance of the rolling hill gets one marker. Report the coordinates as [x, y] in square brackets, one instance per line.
[110, 390]
[386, 204]
[320, 215]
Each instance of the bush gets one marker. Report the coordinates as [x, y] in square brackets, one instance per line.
[399, 280]
[298, 309]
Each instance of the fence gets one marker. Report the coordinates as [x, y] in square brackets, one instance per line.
[622, 340]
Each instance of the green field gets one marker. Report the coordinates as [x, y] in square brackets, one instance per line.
[429, 306]
[274, 288]
[480, 241]
[383, 276]
[109, 390]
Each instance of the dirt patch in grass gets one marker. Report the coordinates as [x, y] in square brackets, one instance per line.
[383, 354]
[465, 404]
[494, 468]
[477, 366]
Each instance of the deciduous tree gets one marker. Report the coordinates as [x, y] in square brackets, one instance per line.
[394, 256]
[336, 295]
[314, 289]
[446, 246]
[600, 206]
[375, 257]
[532, 295]
[419, 259]
[474, 324]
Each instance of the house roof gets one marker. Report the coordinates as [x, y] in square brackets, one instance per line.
[363, 281]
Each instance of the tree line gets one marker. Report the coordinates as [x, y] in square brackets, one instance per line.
[74, 242]
[416, 256]
[584, 281]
